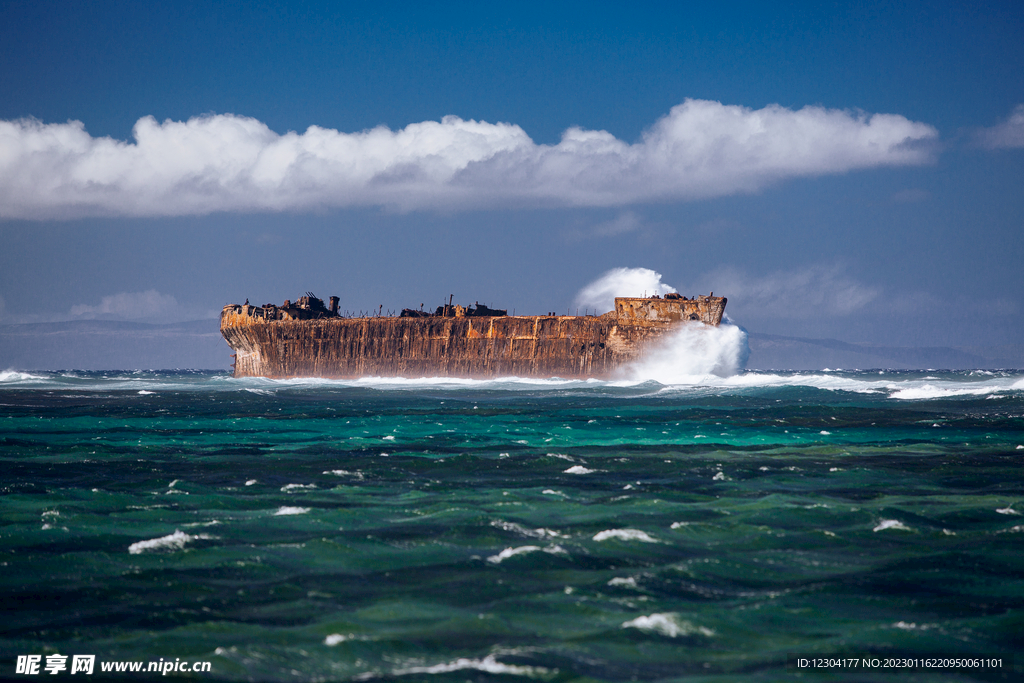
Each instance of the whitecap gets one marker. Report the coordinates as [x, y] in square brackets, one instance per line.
[1008, 510]
[286, 510]
[292, 487]
[488, 664]
[891, 524]
[667, 624]
[15, 376]
[338, 638]
[578, 469]
[625, 535]
[512, 552]
[520, 529]
[175, 541]
[628, 582]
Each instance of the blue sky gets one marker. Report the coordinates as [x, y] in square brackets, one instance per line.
[837, 171]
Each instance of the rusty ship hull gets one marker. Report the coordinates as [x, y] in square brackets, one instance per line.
[282, 343]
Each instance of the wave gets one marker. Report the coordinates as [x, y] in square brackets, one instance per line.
[668, 624]
[175, 541]
[693, 354]
[13, 376]
[902, 385]
[488, 664]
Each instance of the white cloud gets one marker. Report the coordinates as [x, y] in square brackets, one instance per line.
[812, 292]
[234, 163]
[627, 221]
[1008, 134]
[150, 306]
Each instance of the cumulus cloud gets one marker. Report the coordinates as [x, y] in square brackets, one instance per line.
[812, 292]
[1008, 134]
[150, 305]
[234, 163]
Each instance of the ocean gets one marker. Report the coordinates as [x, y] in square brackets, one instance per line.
[716, 529]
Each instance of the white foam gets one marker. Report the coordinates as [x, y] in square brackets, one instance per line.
[1008, 510]
[344, 473]
[338, 638]
[667, 624]
[13, 377]
[293, 487]
[512, 552]
[578, 469]
[175, 541]
[286, 510]
[628, 582]
[891, 524]
[625, 535]
[520, 529]
[948, 390]
[700, 359]
[694, 353]
[488, 664]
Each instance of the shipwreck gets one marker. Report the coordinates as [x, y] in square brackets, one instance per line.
[307, 338]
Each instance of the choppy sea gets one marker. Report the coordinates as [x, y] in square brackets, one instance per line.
[401, 530]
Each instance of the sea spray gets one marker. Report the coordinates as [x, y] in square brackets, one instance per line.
[691, 353]
[600, 294]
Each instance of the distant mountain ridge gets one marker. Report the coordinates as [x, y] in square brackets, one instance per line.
[776, 352]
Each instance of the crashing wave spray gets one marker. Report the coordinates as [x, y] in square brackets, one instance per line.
[688, 354]
[694, 351]
[600, 294]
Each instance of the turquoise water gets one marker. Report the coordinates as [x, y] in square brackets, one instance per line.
[460, 530]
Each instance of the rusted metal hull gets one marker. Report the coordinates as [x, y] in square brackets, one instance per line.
[471, 347]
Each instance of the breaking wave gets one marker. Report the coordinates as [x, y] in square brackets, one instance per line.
[700, 360]
[175, 541]
[694, 352]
